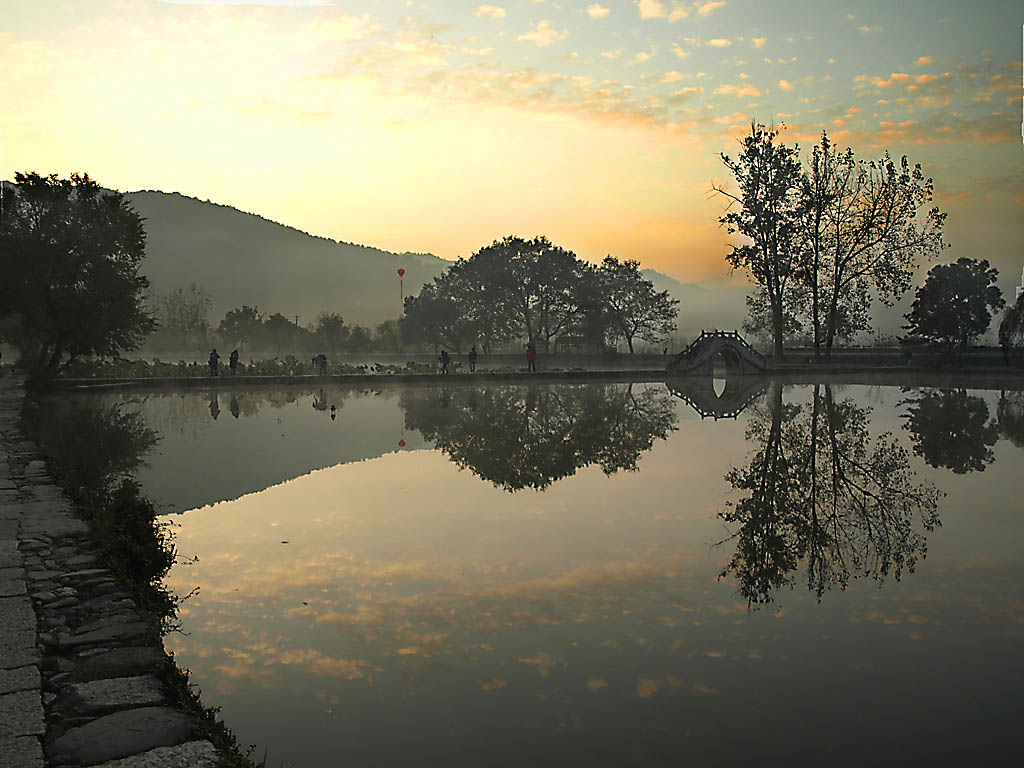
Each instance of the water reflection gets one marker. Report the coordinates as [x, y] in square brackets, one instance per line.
[822, 495]
[1010, 417]
[530, 437]
[951, 429]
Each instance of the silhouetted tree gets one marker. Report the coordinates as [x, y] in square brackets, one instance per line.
[1010, 416]
[633, 308]
[951, 429]
[1011, 327]
[183, 317]
[528, 438]
[388, 337]
[863, 229]
[821, 492]
[955, 304]
[69, 260]
[241, 326]
[330, 333]
[767, 202]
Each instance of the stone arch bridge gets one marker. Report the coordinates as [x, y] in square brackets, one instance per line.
[692, 374]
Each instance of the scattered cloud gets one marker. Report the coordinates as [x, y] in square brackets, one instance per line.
[785, 85]
[673, 77]
[597, 11]
[924, 61]
[739, 91]
[543, 34]
[651, 9]
[643, 57]
[491, 12]
[678, 51]
[705, 8]
[612, 54]
[758, 41]
[719, 42]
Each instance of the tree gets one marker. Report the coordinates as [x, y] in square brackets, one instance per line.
[863, 227]
[330, 333]
[634, 309]
[241, 326]
[388, 336]
[183, 318]
[955, 304]
[767, 173]
[433, 317]
[1011, 327]
[70, 256]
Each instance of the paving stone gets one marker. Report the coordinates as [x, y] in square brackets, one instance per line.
[192, 754]
[120, 662]
[11, 572]
[17, 612]
[21, 714]
[112, 694]
[17, 647]
[8, 529]
[21, 752]
[19, 679]
[116, 632]
[121, 734]
[12, 587]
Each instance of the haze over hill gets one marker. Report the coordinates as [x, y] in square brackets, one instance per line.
[241, 258]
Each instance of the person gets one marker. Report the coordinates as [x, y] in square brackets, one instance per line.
[321, 361]
[445, 359]
[214, 362]
[472, 358]
[233, 362]
[531, 358]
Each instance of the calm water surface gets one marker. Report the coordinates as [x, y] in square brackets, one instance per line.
[595, 575]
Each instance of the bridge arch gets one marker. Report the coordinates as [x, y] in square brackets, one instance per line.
[698, 359]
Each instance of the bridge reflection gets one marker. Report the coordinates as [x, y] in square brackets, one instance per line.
[699, 393]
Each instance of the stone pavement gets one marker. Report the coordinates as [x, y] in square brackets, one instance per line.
[78, 660]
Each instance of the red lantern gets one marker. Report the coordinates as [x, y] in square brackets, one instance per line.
[401, 443]
[401, 272]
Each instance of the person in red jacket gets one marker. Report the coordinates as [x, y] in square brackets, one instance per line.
[531, 358]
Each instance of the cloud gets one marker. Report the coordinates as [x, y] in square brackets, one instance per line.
[678, 51]
[543, 35]
[651, 9]
[785, 85]
[705, 8]
[673, 77]
[719, 42]
[478, 51]
[642, 57]
[758, 41]
[739, 91]
[597, 11]
[596, 684]
[320, 3]
[491, 12]
[924, 61]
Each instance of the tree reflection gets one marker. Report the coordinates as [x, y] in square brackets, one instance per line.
[1010, 417]
[520, 437]
[951, 430]
[822, 492]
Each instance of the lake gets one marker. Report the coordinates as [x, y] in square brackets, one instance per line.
[594, 574]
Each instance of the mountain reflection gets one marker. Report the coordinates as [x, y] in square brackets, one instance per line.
[518, 437]
[820, 491]
[952, 430]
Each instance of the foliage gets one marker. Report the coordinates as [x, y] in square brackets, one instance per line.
[767, 207]
[955, 304]
[633, 308]
[819, 491]
[1011, 327]
[69, 256]
[951, 429]
[183, 320]
[863, 227]
[532, 288]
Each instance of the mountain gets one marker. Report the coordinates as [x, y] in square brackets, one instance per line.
[241, 258]
[702, 308]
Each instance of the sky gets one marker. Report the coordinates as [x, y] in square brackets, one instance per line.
[441, 126]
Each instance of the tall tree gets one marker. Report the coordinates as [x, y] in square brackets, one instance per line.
[635, 310]
[70, 256]
[864, 227]
[241, 326]
[767, 208]
[956, 302]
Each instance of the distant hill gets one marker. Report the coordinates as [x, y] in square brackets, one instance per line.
[241, 258]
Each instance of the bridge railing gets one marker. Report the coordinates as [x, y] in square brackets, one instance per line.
[707, 335]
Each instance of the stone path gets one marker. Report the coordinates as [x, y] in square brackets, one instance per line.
[78, 660]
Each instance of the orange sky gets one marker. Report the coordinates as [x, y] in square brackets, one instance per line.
[441, 126]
